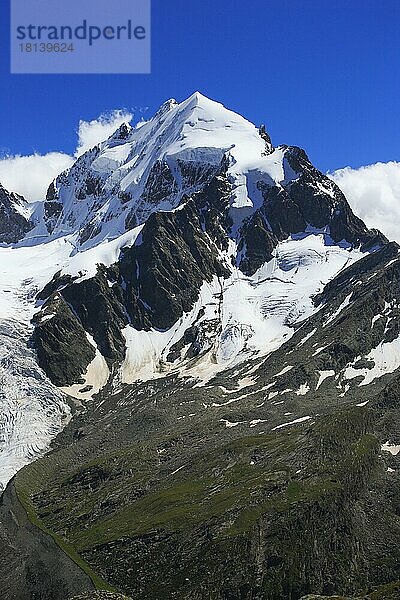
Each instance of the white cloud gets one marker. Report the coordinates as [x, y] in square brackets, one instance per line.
[374, 195]
[31, 175]
[91, 133]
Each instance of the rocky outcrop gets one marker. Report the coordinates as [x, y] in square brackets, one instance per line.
[63, 349]
[323, 205]
[309, 203]
[14, 223]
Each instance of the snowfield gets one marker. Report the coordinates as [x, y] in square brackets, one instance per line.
[385, 359]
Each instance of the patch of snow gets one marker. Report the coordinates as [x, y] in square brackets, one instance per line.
[147, 350]
[386, 359]
[284, 370]
[178, 469]
[300, 420]
[392, 448]
[324, 375]
[337, 312]
[83, 264]
[319, 350]
[229, 424]
[374, 320]
[255, 422]
[95, 378]
[46, 318]
[246, 382]
[307, 337]
[363, 403]
[303, 389]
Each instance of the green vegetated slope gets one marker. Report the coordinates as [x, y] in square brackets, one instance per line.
[206, 511]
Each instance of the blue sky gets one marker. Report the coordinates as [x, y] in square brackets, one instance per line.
[322, 74]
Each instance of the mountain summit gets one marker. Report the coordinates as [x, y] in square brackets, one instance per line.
[110, 188]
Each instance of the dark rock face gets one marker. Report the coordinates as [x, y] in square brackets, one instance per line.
[169, 265]
[312, 202]
[322, 204]
[100, 311]
[256, 245]
[283, 213]
[13, 225]
[62, 347]
[160, 184]
[266, 137]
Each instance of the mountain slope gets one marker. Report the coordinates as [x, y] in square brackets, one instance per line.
[276, 479]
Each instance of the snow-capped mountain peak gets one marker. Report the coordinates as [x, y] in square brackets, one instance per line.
[178, 150]
[193, 221]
